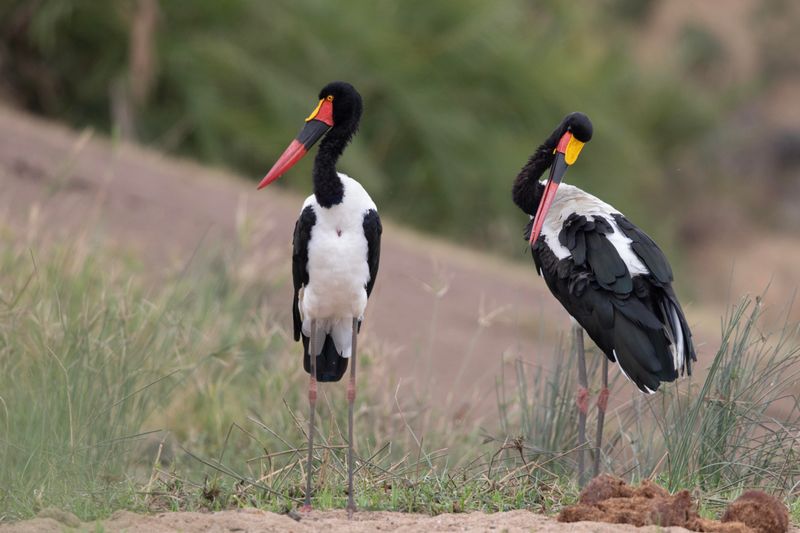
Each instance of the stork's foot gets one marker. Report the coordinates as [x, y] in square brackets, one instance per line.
[306, 508]
[351, 508]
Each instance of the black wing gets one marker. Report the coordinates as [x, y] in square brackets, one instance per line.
[372, 231]
[656, 262]
[647, 250]
[302, 234]
[635, 321]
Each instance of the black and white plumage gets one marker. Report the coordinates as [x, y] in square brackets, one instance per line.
[335, 256]
[606, 272]
[336, 245]
[336, 252]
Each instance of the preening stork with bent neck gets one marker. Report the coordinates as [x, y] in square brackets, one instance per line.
[607, 273]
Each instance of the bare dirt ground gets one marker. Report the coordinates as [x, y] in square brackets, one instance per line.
[247, 520]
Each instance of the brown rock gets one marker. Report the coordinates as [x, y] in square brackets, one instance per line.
[648, 489]
[672, 511]
[760, 511]
[611, 500]
[603, 487]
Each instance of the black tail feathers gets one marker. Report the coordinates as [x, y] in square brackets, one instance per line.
[331, 366]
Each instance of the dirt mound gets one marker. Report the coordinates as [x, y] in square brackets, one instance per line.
[611, 500]
[762, 512]
[606, 486]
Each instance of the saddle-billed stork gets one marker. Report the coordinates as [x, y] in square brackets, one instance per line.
[336, 250]
[607, 273]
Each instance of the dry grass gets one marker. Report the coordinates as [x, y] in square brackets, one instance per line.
[123, 392]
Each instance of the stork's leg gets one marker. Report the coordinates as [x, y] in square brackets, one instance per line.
[351, 398]
[582, 400]
[312, 402]
[602, 402]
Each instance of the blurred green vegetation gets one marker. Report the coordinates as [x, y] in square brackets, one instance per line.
[457, 94]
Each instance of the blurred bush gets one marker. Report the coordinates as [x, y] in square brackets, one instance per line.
[457, 94]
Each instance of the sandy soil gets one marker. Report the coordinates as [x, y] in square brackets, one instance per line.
[247, 520]
[606, 498]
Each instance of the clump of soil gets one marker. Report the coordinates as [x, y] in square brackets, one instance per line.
[611, 500]
[604, 487]
[760, 511]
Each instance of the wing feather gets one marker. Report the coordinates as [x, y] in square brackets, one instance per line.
[634, 320]
[372, 231]
[302, 235]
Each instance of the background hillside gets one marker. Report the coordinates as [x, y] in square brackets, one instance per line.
[691, 106]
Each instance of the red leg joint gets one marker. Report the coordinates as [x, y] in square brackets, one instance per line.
[351, 392]
[583, 400]
[602, 400]
[312, 391]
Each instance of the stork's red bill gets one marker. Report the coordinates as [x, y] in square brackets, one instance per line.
[317, 124]
[567, 152]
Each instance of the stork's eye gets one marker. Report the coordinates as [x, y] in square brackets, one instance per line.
[329, 98]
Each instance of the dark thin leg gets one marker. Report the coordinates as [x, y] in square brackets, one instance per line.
[351, 397]
[602, 402]
[312, 402]
[582, 401]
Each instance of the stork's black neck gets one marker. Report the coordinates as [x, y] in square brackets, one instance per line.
[328, 187]
[527, 191]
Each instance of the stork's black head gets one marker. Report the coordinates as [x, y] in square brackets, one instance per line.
[558, 151]
[347, 105]
[579, 125]
[573, 132]
[338, 111]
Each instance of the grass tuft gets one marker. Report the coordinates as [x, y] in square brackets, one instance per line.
[737, 428]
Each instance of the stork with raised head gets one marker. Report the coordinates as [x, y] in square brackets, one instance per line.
[606, 272]
[336, 250]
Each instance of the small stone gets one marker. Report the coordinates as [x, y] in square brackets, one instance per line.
[760, 511]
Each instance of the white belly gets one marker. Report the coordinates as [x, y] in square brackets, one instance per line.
[337, 268]
[337, 257]
[337, 272]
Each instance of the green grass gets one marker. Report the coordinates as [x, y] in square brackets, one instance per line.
[119, 389]
[794, 510]
[104, 369]
[733, 429]
[91, 361]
